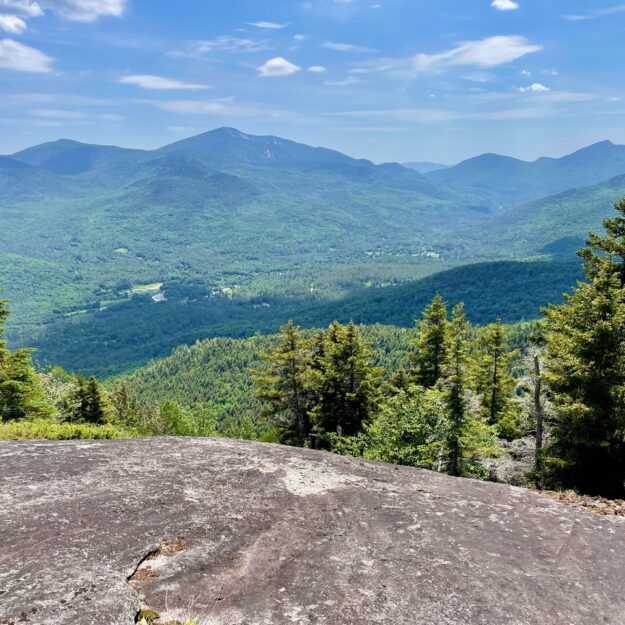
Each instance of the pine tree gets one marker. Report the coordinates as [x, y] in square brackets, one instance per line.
[281, 386]
[493, 380]
[585, 356]
[345, 386]
[456, 387]
[431, 344]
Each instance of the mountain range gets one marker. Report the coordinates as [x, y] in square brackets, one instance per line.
[508, 182]
[226, 216]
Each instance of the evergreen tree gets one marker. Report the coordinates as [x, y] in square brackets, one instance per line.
[89, 403]
[125, 405]
[400, 380]
[431, 344]
[494, 382]
[281, 387]
[585, 356]
[345, 385]
[456, 387]
[20, 392]
[4, 314]
[408, 429]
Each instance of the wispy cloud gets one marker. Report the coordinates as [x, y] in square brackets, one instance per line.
[149, 81]
[346, 47]
[437, 116]
[20, 58]
[483, 53]
[488, 52]
[227, 107]
[24, 8]
[278, 66]
[223, 43]
[268, 25]
[505, 5]
[595, 13]
[51, 99]
[75, 10]
[62, 114]
[350, 80]
[86, 10]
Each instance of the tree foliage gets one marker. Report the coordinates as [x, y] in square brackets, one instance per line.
[585, 354]
[20, 392]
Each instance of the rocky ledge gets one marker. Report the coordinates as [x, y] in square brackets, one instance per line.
[236, 533]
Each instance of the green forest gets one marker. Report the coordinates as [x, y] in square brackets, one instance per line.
[112, 257]
[447, 394]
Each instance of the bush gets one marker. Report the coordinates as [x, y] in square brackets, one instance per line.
[47, 429]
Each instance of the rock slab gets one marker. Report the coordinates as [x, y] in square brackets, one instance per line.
[235, 533]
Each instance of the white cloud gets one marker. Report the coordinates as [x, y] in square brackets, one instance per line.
[278, 66]
[505, 5]
[346, 47]
[268, 25]
[591, 15]
[436, 116]
[350, 80]
[24, 8]
[216, 107]
[57, 114]
[488, 52]
[317, 69]
[21, 58]
[12, 24]
[299, 37]
[223, 43]
[526, 72]
[85, 10]
[74, 116]
[534, 88]
[148, 81]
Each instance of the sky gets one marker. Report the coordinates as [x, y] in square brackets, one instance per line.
[388, 80]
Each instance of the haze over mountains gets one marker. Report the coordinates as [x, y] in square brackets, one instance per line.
[267, 223]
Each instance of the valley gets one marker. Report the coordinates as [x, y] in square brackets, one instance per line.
[244, 232]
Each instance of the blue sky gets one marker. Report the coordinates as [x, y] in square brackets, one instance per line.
[389, 80]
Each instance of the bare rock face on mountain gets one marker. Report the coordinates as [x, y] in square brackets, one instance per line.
[236, 533]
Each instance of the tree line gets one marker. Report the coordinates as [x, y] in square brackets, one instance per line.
[442, 410]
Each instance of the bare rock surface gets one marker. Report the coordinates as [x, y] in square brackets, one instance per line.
[237, 533]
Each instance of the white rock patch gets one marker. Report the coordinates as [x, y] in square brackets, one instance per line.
[304, 479]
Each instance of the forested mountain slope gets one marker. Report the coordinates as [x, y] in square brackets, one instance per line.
[219, 209]
[507, 182]
[555, 225]
[130, 333]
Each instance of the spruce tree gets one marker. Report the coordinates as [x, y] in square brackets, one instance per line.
[90, 406]
[431, 344]
[493, 380]
[281, 386]
[456, 387]
[95, 413]
[346, 386]
[585, 357]
[20, 392]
